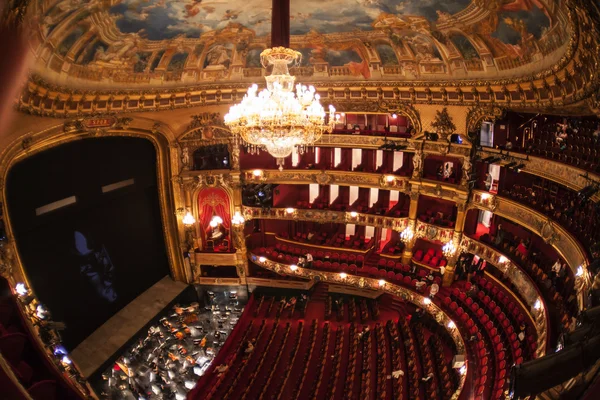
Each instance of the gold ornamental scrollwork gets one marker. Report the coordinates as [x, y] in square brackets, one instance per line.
[476, 115]
[548, 232]
[403, 108]
[324, 179]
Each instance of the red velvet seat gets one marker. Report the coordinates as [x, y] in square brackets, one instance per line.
[418, 255]
[12, 346]
[43, 390]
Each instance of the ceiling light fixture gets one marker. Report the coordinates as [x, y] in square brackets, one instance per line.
[277, 118]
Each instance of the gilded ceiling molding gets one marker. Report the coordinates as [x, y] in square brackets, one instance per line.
[70, 131]
[552, 233]
[477, 115]
[374, 284]
[532, 92]
[521, 281]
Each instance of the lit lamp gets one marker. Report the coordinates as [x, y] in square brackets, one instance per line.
[449, 249]
[188, 219]
[237, 219]
[407, 235]
[279, 119]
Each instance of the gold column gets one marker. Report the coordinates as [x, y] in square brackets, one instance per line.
[237, 231]
[412, 221]
[448, 278]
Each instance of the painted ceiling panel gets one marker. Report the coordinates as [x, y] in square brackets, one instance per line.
[167, 43]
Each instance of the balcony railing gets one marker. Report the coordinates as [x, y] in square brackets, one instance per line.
[326, 216]
[554, 234]
[520, 280]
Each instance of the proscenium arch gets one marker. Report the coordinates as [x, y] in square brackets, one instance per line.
[56, 135]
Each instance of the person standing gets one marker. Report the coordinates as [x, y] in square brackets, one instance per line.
[489, 180]
[309, 260]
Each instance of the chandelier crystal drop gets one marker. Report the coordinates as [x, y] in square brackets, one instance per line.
[277, 118]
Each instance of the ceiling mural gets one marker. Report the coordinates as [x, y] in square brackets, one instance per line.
[166, 19]
[163, 43]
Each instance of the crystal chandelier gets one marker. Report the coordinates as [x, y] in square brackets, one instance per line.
[277, 118]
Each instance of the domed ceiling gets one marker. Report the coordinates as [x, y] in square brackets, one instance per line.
[164, 43]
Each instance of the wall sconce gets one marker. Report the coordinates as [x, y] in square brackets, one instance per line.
[294, 267]
[290, 210]
[381, 283]
[262, 259]
[579, 271]
[390, 179]
[353, 214]
[426, 301]
[21, 289]
[343, 275]
[407, 234]
[257, 173]
[451, 325]
[449, 249]
[502, 260]
[485, 196]
[237, 219]
[537, 305]
[188, 219]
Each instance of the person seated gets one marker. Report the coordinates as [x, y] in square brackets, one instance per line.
[221, 369]
[440, 172]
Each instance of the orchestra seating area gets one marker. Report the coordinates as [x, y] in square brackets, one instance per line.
[337, 347]
[25, 358]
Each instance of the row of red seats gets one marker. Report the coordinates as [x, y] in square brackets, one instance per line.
[382, 356]
[432, 257]
[433, 387]
[341, 257]
[413, 366]
[27, 360]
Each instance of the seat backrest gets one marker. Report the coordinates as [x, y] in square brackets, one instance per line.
[43, 390]
[12, 346]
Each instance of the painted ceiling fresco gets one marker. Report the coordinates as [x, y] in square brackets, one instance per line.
[116, 43]
[165, 19]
